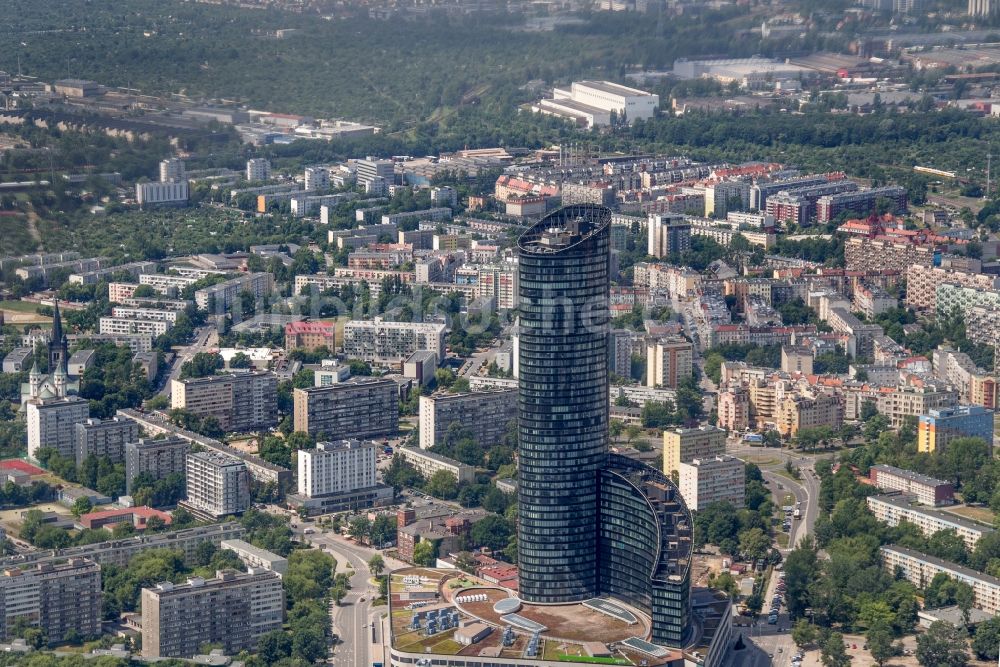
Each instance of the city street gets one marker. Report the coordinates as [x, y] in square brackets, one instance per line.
[352, 620]
[205, 338]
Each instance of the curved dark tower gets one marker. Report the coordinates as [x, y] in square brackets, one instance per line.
[562, 402]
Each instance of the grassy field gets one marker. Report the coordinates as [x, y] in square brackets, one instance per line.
[19, 306]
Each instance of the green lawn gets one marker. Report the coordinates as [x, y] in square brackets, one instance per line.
[19, 306]
[592, 660]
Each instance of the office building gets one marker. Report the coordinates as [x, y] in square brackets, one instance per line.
[686, 444]
[428, 463]
[104, 438]
[390, 343]
[162, 194]
[310, 336]
[336, 467]
[668, 233]
[240, 401]
[172, 170]
[925, 489]
[62, 599]
[938, 427]
[704, 481]
[358, 408]
[157, 457]
[897, 508]
[217, 485]
[370, 169]
[221, 297]
[233, 610]
[485, 416]
[668, 361]
[920, 569]
[258, 169]
[562, 353]
[257, 558]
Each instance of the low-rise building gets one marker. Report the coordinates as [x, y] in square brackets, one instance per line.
[920, 569]
[310, 335]
[427, 463]
[897, 508]
[139, 517]
[446, 530]
[927, 490]
[255, 557]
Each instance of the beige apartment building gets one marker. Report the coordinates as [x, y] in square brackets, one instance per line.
[920, 568]
[485, 415]
[686, 444]
[355, 409]
[796, 412]
[714, 479]
[61, 599]
[922, 282]
[233, 609]
[668, 361]
[897, 508]
[240, 401]
[901, 402]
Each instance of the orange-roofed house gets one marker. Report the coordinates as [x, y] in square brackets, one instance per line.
[138, 516]
[310, 335]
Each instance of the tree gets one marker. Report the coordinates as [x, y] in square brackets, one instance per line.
[803, 633]
[880, 643]
[240, 360]
[423, 554]
[383, 531]
[82, 505]
[360, 528]
[986, 642]
[492, 532]
[943, 645]
[443, 485]
[833, 653]
[754, 544]
[800, 569]
[376, 565]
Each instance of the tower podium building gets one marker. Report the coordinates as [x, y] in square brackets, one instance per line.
[590, 524]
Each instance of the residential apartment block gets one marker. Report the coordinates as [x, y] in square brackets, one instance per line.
[920, 568]
[61, 599]
[233, 609]
[734, 408]
[240, 401]
[795, 412]
[357, 408]
[686, 444]
[158, 457]
[901, 402]
[896, 508]
[704, 481]
[217, 485]
[256, 557]
[123, 326]
[950, 298]
[922, 282]
[219, 298]
[927, 490]
[427, 463]
[336, 467]
[52, 424]
[104, 438]
[668, 233]
[485, 415]
[310, 335]
[668, 361]
[390, 343]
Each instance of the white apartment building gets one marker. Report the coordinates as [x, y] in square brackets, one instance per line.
[152, 194]
[172, 170]
[710, 480]
[484, 414]
[256, 557]
[337, 467]
[121, 326]
[919, 569]
[144, 314]
[390, 343]
[895, 509]
[317, 178]
[258, 169]
[428, 463]
[52, 424]
[217, 485]
[165, 283]
[223, 295]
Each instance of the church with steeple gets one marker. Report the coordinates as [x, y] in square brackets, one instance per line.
[57, 383]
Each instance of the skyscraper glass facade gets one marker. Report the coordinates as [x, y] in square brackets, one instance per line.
[563, 401]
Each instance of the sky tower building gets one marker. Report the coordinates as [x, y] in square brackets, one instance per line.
[563, 401]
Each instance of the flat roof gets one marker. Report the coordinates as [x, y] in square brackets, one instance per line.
[614, 88]
[257, 552]
[571, 105]
[920, 478]
[908, 502]
[944, 564]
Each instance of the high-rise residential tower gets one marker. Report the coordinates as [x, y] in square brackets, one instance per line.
[563, 401]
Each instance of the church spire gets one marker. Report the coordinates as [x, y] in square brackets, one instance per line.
[57, 332]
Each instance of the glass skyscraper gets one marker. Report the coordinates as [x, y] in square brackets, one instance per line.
[563, 401]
